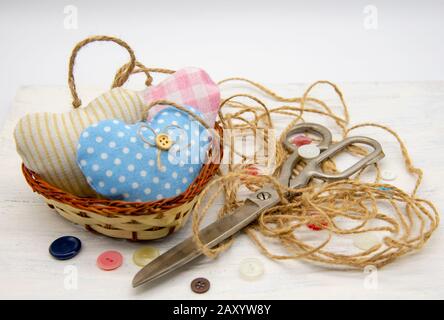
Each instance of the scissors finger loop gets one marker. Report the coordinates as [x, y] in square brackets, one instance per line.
[313, 128]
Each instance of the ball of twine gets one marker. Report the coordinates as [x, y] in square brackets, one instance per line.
[335, 210]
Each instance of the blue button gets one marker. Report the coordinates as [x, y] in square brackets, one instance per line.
[65, 248]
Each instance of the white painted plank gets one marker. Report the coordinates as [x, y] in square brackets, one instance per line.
[27, 225]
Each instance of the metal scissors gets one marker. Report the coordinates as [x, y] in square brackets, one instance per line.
[264, 198]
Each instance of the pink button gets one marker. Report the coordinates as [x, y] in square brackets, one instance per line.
[301, 140]
[109, 260]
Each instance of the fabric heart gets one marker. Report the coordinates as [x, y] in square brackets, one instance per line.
[47, 142]
[189, 86]
[145, 161]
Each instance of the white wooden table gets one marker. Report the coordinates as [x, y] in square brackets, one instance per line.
[27, 225]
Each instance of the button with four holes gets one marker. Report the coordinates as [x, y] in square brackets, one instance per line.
[200, 285]
[251, 269]
[163, 141]
[309, 151]
[109, 260]
[65, 247]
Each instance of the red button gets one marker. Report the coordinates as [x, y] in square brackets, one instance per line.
[301, 140]
[317, 227]
[252, 170]
[109, 260]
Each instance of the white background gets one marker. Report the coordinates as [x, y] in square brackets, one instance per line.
[273, 41]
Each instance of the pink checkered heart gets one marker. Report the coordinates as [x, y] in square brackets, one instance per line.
[189, 86]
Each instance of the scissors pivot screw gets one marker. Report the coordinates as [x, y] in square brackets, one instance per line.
[263, 195]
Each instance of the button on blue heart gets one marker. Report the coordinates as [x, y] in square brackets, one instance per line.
[145, 161]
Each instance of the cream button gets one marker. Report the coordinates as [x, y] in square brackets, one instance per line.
[309, 151]
[251, 269]
[145, 255]
[365, 241]
[388, 175]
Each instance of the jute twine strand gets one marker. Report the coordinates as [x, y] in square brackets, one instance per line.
[177, 106]
[122, 74]
[121, 77]
[140, 68]
[339, 209]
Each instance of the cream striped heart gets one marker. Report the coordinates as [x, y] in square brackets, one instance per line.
[47, 142]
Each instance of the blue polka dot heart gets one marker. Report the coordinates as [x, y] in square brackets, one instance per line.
[145, 161]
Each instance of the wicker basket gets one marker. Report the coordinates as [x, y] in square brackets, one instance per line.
[121, 219]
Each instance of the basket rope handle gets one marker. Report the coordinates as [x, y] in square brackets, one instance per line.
[147, 109]
[140, 69]
[119, 80]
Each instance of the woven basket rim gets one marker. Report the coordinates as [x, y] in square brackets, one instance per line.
[112, 207]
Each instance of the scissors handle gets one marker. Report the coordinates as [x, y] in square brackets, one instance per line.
[312, 169]
[261, 200]
[325, 140]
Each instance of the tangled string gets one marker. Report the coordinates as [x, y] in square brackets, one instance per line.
[334, 210]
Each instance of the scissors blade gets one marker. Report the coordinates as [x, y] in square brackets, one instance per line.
[211, 235]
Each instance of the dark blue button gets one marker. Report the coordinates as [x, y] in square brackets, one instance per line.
[65, 248]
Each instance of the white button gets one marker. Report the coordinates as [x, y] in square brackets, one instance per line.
[365, 241]
[251, 269]
[388, 175]
[309, 151]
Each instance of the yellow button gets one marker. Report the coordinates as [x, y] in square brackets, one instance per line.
[163, 141]
[145, 255]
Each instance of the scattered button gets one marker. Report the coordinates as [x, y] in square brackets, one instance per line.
[200, 285]
[251, 269]
[365, 241]
[317, 226]
[388, 191]
[145, 255]
[109, 260]
[252, 170]
[65, 247]
[301, 140]
[388, 175]
[309, 151]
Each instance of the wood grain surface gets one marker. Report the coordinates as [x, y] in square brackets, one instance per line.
[28, 226]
